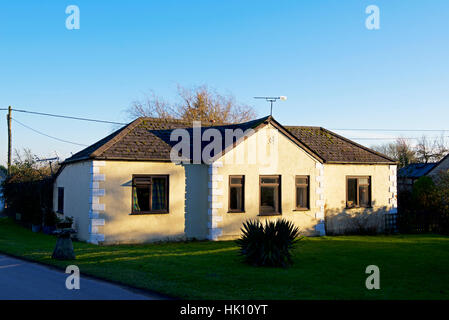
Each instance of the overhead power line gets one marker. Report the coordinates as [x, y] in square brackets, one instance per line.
[49, 136]
[393, 130]
[68, 117]
[123, 123]
[393, 138]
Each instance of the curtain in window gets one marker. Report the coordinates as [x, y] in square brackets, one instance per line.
[135, 200]
[158, 197]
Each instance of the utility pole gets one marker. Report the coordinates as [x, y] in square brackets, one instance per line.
[8, 118]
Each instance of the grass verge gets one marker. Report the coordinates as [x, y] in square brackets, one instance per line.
[411, 266]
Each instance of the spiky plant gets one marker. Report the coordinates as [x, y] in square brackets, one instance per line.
[269, 244]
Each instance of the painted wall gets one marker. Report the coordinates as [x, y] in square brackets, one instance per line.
[327, 189]
[98, 194]
[383, 196]
[75, 179]
[122, 227]
[276, 155]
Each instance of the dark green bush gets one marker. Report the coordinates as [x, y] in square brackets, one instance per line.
[269, 244]
[50, 218]
[426, 208]
[28, 189]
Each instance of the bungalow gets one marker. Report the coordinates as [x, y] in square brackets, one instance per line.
[157, 179]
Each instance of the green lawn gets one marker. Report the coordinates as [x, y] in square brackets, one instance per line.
[411, 266]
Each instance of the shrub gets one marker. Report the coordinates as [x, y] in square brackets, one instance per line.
[269, 244]
[28, 189]
[50, 218]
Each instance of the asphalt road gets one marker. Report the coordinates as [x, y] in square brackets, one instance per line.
[23, 280]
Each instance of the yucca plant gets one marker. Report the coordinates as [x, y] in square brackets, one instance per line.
[269, 244]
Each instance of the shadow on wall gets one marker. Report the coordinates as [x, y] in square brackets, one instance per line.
[307, 231]
[357, 221]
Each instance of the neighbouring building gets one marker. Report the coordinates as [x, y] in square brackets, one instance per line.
[126, 188]
[408, 175]
[441, 166]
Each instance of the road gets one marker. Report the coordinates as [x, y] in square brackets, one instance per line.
[23, 280]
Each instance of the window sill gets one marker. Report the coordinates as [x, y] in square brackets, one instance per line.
[270, 214]
[301, 209]
[230, 211]
[149, 212]
[349, 208]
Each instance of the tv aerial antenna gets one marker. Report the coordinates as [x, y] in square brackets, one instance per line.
[272, 100]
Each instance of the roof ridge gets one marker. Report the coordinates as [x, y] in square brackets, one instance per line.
[213, 124]
[303, 127]
[182, 121]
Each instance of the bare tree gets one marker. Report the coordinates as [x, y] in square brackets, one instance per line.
[431, 150]
[426, 150]
[400, 150]
[198, 103]
[388, 149]
[442, 147]
[151, 106]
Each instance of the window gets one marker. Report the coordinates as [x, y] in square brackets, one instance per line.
[302, 192]
[60, 200]
[270, 195]
[236, 193]
[150, 194]
[358, 192]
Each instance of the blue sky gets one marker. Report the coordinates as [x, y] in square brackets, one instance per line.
[335, 72]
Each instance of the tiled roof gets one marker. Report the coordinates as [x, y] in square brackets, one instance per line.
[415, 170]
[334, 148]
[144, 139]
[148, 139]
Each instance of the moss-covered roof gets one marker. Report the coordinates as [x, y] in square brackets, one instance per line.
[334, 148]
[148, 139]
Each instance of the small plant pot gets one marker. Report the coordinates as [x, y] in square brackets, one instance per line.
[36, 227]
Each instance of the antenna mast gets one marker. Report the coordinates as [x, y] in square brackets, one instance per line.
[271, 100]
